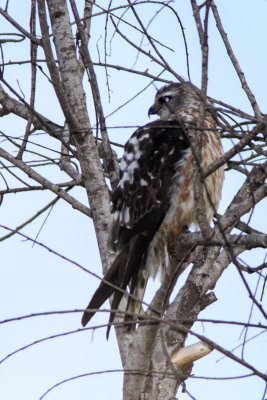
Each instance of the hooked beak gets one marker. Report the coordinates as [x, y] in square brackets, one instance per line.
[153, 110]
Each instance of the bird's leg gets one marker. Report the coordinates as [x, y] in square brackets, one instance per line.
[172, 240]
[173, 236]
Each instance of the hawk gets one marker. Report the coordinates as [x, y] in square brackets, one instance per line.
[154, 197]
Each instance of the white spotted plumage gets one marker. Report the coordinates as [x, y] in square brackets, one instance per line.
[155, 194]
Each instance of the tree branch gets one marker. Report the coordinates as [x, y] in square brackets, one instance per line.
[45, 183]
[235, 62]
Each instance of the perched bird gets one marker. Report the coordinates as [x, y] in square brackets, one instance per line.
[154, 198]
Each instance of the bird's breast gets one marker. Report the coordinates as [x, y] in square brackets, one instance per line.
[181, 211]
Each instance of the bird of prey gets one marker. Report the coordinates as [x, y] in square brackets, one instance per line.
[154, 198]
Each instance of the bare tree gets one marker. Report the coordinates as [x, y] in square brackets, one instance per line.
[66, 54]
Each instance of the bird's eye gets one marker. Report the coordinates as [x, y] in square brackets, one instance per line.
[164, 99]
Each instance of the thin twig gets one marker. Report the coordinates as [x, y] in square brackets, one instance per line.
[235, 62]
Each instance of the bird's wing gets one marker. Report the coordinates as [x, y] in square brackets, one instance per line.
[148, 170]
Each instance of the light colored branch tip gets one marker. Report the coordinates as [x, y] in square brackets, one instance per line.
[191, 353]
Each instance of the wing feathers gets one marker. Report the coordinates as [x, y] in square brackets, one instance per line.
[149, 167]
[140, 202]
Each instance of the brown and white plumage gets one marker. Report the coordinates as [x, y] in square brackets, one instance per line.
[154, 195]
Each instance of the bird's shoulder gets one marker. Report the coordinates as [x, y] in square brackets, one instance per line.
[148, 149]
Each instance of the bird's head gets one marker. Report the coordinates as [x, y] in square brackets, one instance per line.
[174, 99]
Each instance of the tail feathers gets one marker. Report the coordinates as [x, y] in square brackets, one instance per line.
[118, 296]
[125, 268]
[136, 256]
[104, 291]
[114, 306]
[137, 289]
